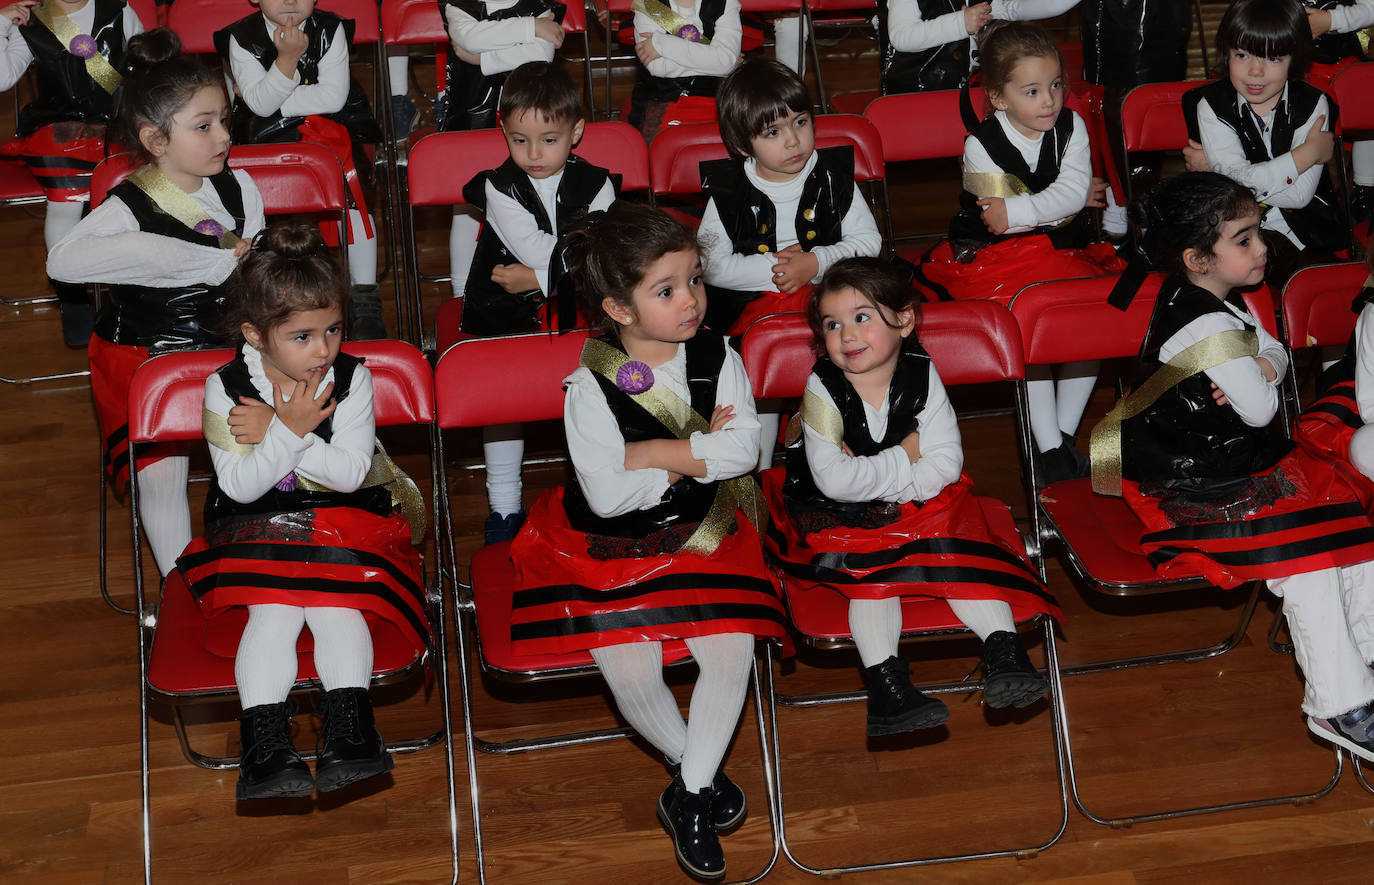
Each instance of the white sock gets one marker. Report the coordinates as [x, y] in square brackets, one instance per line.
[462, 245]
[983, 616]
[343, 646]
[1114, 216]
[1363, 158]
[1044, 416]
[768, 437]
[717, 699]
[787, 40]
[265, 665]
[163, 507]
[876, 625]
[634, 672]
[362, 253]
[1072, 392]
[61, 216]
[503, 447]
[398, 69]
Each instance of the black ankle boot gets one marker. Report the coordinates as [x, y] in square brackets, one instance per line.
[895, 705]
[687, 817]
[1361, 203]
[729, 805]
[1082, 467]
[270, 767]
[365, 314]
[1009, 679]
[349, 748]
[78, 317]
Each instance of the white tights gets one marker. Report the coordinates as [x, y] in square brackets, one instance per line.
[876, 624]
[362, 253]
[462, 245]
[1056, 407]
[60, 218]
[503, 449]
[164, 510]
[265, 666]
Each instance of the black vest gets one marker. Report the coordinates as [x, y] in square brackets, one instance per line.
[489, 309]
[1129, 43]
[65, 91]
[649, 88]
[470, 96]
[320, 29]
[687, 500]
[169, 318]
[750, 218]
[968, 227]
[1321, 223]
[1330, 47]
[945, 66]
[1185, 442]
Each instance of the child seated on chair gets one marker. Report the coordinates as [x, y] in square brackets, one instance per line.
[658, 537]
[488, 40]
[780, 211]
[683, 49]
[1336, 44]
[876, 472]
[529, 200]
[289, 65]
[304, 498]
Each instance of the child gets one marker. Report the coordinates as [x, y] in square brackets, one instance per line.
[163, 242]
[488, 40]
[1218, 492]
[292, 440]
[1027, 180]
[780, 212]
[79, 49]
[1265, 127]
[291, 83]
[883, 475]
[1336, 44]
[657, 539]
[528, 200]
[684, 49]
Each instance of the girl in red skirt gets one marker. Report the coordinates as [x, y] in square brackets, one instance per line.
[1219, 493]
[657, 537]
[306, 521]
[876, 504]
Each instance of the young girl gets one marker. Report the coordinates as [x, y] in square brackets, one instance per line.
[882, 475]
[305, 498]
[658, 538]
[1027, 179]
[1336, 44]
[1264, 126]
[164, 242]
[78, 47]
[1219, 493]
[291, 82]
[684, 49]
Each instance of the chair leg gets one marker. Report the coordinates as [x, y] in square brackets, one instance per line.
[1358, 765]
[103, 537]
[1282, 648]
[1202, 40]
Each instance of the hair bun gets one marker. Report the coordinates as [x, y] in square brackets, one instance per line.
[292, 240]
[152, 48]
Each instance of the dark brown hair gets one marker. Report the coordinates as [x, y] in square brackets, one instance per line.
[881, 282]
[1268, 29]
[1187, 212]
[1006, 44]
[162, 81]
[757, 92]
[544, 87]
[288, 269]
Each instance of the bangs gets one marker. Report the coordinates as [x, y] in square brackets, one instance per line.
[1267, 43]
[785, 104]
[1266, 29]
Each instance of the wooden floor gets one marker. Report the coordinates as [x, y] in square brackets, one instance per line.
[1168, 736]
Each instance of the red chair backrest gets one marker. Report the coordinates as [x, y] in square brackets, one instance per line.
[1316, 304]
[618, 147]
[406, 22]
[838, 5]
[300, 177]
[196, 21]
[922, 125]
[110, 172]
[1354, 90]
[146, 11]
[1152, 116]
[366, 20]
[482, 381]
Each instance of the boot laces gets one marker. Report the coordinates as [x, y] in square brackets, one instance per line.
[341, 717]
[271, 731]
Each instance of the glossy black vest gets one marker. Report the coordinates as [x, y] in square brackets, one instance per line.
[65, 91]
[470, 96]
[945, 66]
[649, 88]
[1138, 41]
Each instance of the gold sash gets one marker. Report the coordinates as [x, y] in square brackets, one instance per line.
[1208, 353]
[822, 417]
[65, 30]
[665, 18]
[177, 203]
[742, 492]
[994, 184]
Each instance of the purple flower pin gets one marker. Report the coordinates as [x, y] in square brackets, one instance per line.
[288, 483]
[209, 227]
[690, 33]
[634, 377]
[83, 46]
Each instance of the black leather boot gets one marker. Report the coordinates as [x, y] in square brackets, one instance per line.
[895, 705]
[349, 748]
[78, 316]
[687, 817]
[729, 805]
[365, 314]
[1009, 678]
[270, 767]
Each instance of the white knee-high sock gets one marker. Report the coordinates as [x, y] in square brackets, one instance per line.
[398, 69]
[1114, 216]
[362, 253]
[1337, 677]
[787, 41]
[503, 447]
[60, 217]
[163, 507]
[984, 616]
[1363, 158]
[462, 245]
[343, 646]
[876, 625]
[717, 699]
[769, 422]
[265, 665]
[634, 672]
[1072, 392]
[1044, 414]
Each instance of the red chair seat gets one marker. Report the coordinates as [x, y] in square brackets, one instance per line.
[17, 183]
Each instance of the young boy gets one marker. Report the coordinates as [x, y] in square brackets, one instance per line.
[528, 201]
[488, 40]
[291, 83]
[780, 212]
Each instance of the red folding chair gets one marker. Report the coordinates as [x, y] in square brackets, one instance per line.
[474, 391]
[182, 656]
[1067, 321]
[834, 13]
[1353, 87]
[1152, 120]
[972, 342]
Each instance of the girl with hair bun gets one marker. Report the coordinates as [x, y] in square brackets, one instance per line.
[163, 242]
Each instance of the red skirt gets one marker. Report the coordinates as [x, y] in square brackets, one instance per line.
[1318, 522]
[943, 549]
[62, 157]
[566, 600]
[332, 556]
[770, 303]
[1325, 429]
[112, 370]
[1002, 269]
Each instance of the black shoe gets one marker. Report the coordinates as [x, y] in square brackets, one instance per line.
[403, 114]
[1354, 730]
[895, 705]
[1056, 465]
[500, 528]
[1361, 203]
[729, 805]
[78, 316]
[687, 818]
[365, 315]
[270, 767]
[1009, 679]
[1082, 466]
[349, 748]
